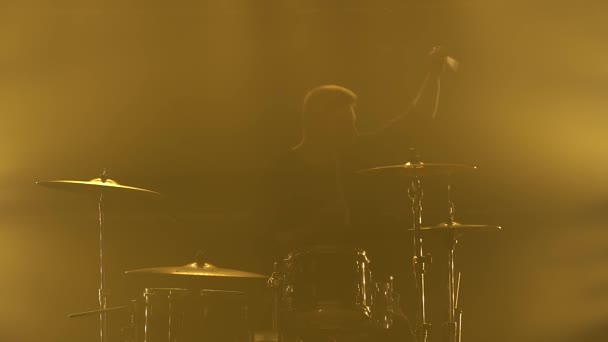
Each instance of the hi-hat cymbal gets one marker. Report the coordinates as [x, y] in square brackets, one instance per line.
[420, 169]
[459, 227]
[94, 185]
[196, 270]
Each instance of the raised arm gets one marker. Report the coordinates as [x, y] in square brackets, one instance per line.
[425, 103]
[427, 97]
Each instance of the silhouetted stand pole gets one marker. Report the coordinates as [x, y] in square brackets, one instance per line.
[420, 260]
[103, 292]
[453, 327]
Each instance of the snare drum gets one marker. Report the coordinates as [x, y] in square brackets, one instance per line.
[181, 315]
[325, 287]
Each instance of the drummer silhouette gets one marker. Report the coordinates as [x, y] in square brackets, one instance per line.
[314, 185]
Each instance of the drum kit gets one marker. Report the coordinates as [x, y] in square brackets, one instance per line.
[316, 293]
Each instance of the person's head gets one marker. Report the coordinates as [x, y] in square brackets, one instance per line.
[328, 116]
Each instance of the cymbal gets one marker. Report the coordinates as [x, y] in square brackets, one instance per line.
[94, 185]
[459, 227]
[420, 169]
[207, 270]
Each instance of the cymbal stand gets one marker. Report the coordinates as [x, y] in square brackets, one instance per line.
[420, 260]
[275, 283]
[453, 327]
[103, 292]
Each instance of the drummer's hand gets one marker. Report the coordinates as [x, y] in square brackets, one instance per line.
[437, 60]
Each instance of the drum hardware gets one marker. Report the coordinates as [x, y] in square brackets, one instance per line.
[420, 260]
[453, 326]
[414, 170]
[189, 315]
[99, 186]
[275, 282]
[327, 288]
[452, 329]
[324, 288]
[179, 308]
[129, 332]
[329, 291]
[385, 304]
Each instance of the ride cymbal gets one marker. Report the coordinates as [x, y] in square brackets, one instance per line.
[420, 169]
[459, 227]
[94, 185]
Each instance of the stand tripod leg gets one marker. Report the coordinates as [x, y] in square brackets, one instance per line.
[453, 328]
[422, 327]
[458, 312]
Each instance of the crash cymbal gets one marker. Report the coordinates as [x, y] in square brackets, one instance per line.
[459, 227]
[94, 185]
[194, 269]
[420, 169]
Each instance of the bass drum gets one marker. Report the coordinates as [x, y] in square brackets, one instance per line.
[325, 288]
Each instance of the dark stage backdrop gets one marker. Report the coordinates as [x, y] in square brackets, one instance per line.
[196, 98]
